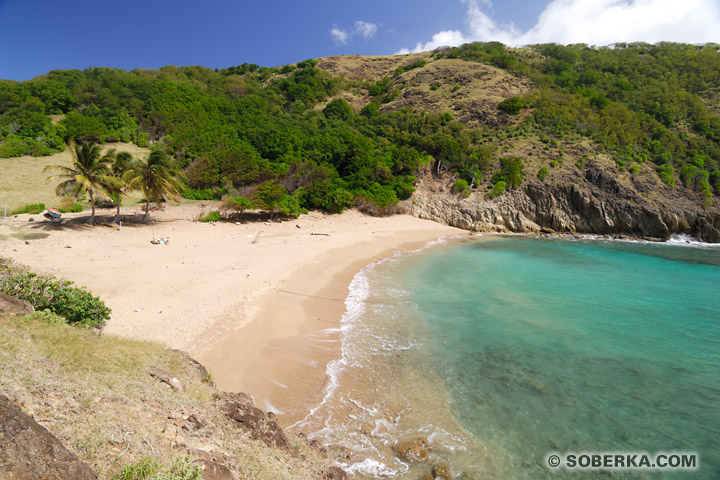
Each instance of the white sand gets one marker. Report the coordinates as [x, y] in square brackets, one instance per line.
[220, 291]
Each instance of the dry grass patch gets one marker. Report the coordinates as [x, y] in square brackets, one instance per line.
[23, 181]
[95, 394]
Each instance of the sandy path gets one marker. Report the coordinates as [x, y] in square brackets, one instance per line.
[239, 298]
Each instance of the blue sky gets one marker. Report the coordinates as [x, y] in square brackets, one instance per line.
[41, 35]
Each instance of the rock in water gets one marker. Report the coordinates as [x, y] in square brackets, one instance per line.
[28, 451]
[413, 451]
[442, 472]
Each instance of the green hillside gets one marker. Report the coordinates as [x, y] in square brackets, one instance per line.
[344, 131]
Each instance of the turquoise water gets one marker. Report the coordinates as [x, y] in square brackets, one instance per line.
[500, 350]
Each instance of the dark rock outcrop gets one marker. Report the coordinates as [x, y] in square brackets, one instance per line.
[595, 203]
[214, 471]
[335, 473]
[29, 452]
[10, 305]
[260, 425]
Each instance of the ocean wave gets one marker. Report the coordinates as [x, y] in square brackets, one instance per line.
[373, 468]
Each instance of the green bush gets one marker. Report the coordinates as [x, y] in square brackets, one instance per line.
[202, 194]
[72, 208]
[14, 146]
[60, 297]
[497, 190]
[543, 173]
[149, 469]
[665, 172]
[459, 186]
[511, 172]
[512, 105]
[213, 216]
[634, 169]
[31, 208]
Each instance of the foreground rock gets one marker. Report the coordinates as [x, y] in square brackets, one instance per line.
[29, 452]
[10, 305]
[261, 426]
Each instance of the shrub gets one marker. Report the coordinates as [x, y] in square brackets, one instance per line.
[149, 469]
[75, 304]
[459, 186]
[634, 169]
[202, 194]
[511, 172]
[31, 208]
[434, 87]
[581, 163]
[665, 172]
[543, 173]
[511, 105]
[497, 190]
[68, 206]
[213, 216]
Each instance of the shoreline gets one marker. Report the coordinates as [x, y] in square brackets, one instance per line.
[240, 298]
[296, 331]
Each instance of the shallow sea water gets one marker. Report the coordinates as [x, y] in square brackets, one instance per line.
[500, 350]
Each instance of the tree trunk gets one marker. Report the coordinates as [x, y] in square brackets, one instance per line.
[92, 205]
[147, 210]
[117, 213]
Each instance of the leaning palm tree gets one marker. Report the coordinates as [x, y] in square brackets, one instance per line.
[120, 163]
[90, 171]
[158, 177]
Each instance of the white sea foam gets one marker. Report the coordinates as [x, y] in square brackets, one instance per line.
[689, 241]
[359, 291]
[370, 467]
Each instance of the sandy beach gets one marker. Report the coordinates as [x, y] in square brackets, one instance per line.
[258, 303]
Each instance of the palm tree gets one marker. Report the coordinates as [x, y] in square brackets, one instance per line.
[158, 177]
[120, 163]
[90, 171]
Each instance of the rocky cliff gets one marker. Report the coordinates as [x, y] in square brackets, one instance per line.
[575, 201]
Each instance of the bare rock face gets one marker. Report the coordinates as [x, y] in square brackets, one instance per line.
[260, 425]
[592, 203]
[29, 452]
[10, 305]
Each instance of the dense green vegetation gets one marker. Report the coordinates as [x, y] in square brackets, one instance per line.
[76, 305]
[639, 101]
[258, 133]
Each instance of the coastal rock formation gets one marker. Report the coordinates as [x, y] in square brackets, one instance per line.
[590, 202]
[413, 451]
[261, 426]
[28, 451]
[14, 306]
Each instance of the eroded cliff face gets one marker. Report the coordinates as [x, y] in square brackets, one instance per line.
[589, 202]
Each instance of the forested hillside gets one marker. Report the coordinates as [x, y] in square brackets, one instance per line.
[359, 131]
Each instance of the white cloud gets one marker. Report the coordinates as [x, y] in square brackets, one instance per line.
[340, 36]
[366, 30]
[595, 22]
